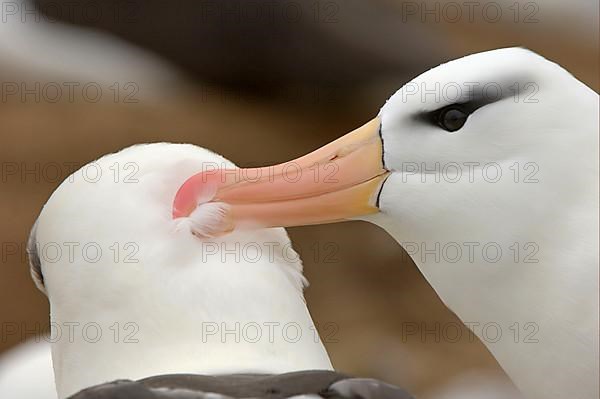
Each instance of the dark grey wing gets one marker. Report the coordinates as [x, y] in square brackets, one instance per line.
[122, 389]
[125, 389]
[368, 388]
[321, 383]
[35, 266]
[252, 385]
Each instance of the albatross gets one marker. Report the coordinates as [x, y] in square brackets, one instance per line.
[486, 170]
[141, 307]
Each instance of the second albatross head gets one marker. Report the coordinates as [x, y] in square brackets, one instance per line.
[499, 115]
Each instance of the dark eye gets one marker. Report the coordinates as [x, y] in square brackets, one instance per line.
[452, 118]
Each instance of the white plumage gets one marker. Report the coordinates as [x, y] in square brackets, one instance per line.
[26, 371]
[157, 293]
[545, 283]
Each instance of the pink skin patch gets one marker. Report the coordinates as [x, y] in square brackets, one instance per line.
[194, 201]
[198, 189]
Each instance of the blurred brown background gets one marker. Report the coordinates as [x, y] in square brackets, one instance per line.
[257, 90]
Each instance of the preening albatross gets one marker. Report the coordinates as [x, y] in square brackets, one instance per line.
[135, 295]
[486, 170]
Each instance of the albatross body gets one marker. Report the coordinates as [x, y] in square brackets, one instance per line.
[486, 170]
[133, 294]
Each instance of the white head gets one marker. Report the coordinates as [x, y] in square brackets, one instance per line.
[492, 134]
[134, 293]
[461, 121]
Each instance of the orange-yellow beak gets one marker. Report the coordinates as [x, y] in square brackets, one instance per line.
[338, 181]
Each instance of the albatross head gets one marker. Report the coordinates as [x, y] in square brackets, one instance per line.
[134, 293]
[450, 134]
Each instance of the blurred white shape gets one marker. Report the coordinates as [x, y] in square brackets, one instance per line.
[35, 45]
[26, 372]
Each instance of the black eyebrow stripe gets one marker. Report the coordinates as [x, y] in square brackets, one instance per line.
[478, 101]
